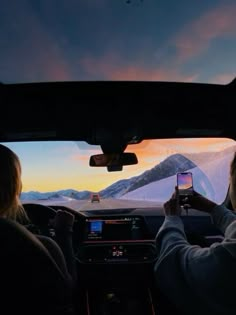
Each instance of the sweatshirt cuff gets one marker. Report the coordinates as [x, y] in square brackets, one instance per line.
[172, 221]
[172, 227]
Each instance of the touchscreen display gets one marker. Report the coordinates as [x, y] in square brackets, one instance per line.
[126, 228]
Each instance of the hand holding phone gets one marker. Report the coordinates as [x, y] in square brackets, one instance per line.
[185, 188]
[185, 183]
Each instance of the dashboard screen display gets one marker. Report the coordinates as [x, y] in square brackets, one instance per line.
[107, 229]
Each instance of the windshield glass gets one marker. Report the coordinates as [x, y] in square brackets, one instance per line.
[165, 40]
[58, 172]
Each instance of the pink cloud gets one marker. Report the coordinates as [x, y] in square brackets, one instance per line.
[196, 37]
[193, 40]
[224, 78]
[139, 73]
[111, 67]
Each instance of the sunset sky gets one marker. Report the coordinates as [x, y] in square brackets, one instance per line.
[51, 166]
[61, 40]
[74, 40]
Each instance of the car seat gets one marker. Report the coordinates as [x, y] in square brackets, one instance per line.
[31, 281]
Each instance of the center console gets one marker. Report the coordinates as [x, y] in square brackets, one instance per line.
[117, 301]
[116, 239]
[116, 256]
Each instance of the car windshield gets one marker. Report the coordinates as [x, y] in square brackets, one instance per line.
[148, 40]
[58, 172]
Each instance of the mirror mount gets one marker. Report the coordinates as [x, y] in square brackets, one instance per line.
[113, 161]
[114, 168]
[113, 147]
[113, 157]
[114, 154]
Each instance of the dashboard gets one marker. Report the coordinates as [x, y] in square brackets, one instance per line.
[125, 228]
[115, 239]
[116, 248]
[127, 236]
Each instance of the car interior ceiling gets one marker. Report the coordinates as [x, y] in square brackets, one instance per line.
[128, 109]
[101, 113]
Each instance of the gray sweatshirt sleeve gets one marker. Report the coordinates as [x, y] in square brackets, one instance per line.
[181, 270]
[222, 217]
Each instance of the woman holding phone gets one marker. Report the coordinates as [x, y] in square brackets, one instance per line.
[198, 280]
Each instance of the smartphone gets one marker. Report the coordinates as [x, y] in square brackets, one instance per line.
[185, 183]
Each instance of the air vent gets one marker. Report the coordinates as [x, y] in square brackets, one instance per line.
[108, 211]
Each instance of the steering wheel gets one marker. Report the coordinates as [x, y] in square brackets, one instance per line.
[40, 218]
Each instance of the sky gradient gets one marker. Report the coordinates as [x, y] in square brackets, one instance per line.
[164, 40]
[51, 166]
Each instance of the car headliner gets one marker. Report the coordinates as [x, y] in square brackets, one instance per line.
[112, 110]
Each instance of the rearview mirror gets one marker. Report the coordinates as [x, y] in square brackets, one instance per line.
[113, 161]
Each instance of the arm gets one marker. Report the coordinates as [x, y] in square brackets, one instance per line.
[171, 236]
[63, 236]
[56, 253]
[64, 240]
[193, 278]
[222, 217]
[181, 270]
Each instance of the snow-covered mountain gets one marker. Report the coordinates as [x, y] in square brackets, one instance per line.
[69, 193]
[117, 189]
[206, 178]
[170, 166]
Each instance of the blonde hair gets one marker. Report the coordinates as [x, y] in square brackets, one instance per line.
[10, 185]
